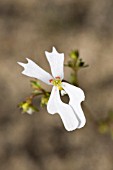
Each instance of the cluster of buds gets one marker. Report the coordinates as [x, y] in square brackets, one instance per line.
[75, 63]
[27, 106]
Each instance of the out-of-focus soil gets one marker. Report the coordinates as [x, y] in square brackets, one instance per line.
[27, 29]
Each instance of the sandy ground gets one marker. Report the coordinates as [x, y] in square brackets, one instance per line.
[27, 29]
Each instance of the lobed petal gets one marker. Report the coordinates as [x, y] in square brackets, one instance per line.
[31, 69]
[76, 96]
[55, 105]
[56, 61]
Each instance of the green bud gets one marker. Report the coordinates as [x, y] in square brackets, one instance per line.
[44, 99]
[24, 106]
[75, 63]
[74, 54]
[81, 63]
[27, 107]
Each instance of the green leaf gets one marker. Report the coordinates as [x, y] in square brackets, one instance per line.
[35, 84]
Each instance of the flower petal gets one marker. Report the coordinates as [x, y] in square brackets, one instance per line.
[55, 105]
[56, 61]
[31, 69]
[63, 92]
[76, 96]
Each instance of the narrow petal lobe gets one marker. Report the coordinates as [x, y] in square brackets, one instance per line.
[56, 61]
[55, 105]
[76, 96]
[31, 69]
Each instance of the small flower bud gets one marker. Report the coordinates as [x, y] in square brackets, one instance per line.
[74, 54]
[27, 107]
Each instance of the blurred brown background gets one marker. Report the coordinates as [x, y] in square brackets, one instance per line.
[27, 29]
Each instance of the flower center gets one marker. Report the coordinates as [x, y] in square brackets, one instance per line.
[57, 82]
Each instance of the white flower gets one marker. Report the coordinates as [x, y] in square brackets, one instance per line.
[71, 114]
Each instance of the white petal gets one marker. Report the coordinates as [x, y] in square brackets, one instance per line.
[76, 96]
[30, 111]
[63, 92]
[55, 105]
[31, 69]
[56, 61]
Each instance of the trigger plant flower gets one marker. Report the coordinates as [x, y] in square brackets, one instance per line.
[71, 114]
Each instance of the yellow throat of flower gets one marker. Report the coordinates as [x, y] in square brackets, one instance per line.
[57, 82]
